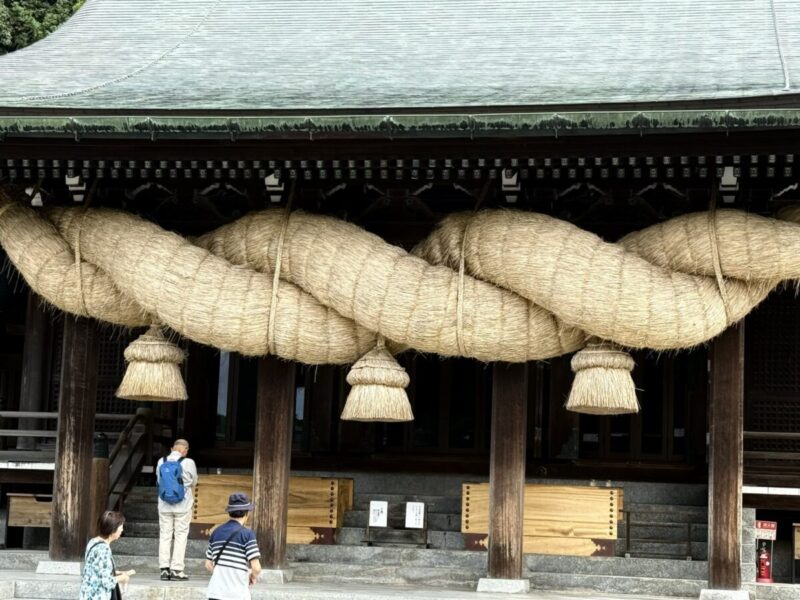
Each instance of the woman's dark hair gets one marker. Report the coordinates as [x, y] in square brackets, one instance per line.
[237, 514]
[109, 522]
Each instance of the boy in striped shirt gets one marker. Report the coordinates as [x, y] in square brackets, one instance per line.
[232, 555]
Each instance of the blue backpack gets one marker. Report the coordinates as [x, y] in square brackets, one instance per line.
[170, 481]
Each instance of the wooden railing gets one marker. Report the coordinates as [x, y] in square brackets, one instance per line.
[133, 450]
[44, 433]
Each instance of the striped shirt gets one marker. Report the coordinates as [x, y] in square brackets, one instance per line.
[230, 578]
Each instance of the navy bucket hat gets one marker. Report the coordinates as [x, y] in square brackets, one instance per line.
[238, 501]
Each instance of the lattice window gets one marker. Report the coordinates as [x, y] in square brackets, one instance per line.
[111, 367]
[773, 341]
[772, 370]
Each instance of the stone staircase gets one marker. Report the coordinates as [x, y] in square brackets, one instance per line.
[657, 538]
[664, 531]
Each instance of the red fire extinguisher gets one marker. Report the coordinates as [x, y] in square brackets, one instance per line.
[764, 565]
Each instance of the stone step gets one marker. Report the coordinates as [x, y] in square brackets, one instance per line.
[141, 528]
[662, 549]
[663, 532]
[626, 567]
[140, 511]
[388, 575]
[448, 540]
[436, 521]
[611, 584]
[385, 556]
[24, 560]
[26, 587]
[670, 513]
[460, 560]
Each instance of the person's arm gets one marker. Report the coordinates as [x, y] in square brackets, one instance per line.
[255, 570]
[253, 555]
[158, 474]
[209, 558]
[189, 472]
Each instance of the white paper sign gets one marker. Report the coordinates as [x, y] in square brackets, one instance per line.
[378, 513]
[415, 515]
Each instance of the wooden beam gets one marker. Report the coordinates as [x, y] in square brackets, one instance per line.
[273, 451]
[507, 470]
[34, 363]
[725, 460]
[76, 408]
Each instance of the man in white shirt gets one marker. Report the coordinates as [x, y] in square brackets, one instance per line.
[175, 501]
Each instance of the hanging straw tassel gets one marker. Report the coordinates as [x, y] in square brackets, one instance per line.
[379, 389]
[153, 371]
[603, 384]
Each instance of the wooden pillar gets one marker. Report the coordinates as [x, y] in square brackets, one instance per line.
[202, 383]
[273, 452]
[725, 460]
[99, 495]
[69, 526]
[322, 405]
[507, 470]
[563, 424]
[34, 356]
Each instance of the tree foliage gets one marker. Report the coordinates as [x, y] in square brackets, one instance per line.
[23, 22]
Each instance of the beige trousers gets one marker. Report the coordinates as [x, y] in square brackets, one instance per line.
[171, 526]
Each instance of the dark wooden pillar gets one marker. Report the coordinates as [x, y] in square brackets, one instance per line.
[562, 430]
[273, 452]
[76, 409]
[34, 357]
[725, 460]
[507, 469]
[202, 382]
[322, 405]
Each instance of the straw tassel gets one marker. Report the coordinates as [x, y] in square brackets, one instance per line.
[379, 389]
[153, 372]
[603, 384]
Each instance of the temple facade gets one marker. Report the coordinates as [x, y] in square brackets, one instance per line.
[534, 271]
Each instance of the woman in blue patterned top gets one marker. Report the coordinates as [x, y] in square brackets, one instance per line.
[100, 576]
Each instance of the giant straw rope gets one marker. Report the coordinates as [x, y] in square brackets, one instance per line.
[530, 287]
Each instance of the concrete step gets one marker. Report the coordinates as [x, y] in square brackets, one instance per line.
[611, 584]
[620, 566]
[659, 531]
[663, 549]
[140, 511]
[22, 586]
[428, 581]
[387, 575]
[468, 561]
[385, 556]
[141, 528]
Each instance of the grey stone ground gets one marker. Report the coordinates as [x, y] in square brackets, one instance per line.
[24, 584]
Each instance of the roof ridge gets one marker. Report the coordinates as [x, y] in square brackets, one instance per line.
[787, 85]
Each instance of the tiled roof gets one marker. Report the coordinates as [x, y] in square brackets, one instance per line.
[312, 58]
